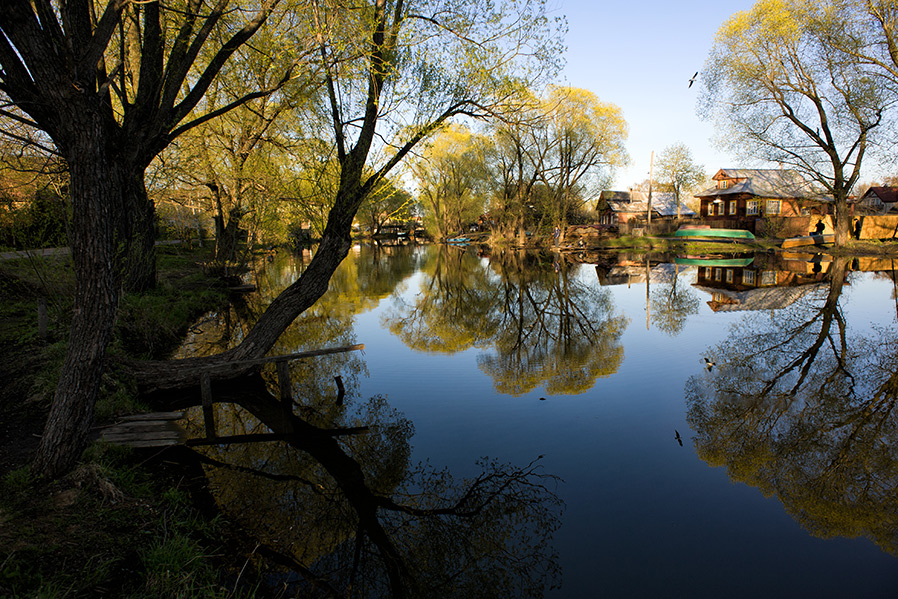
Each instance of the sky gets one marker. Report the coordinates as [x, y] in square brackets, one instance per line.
[640, 55]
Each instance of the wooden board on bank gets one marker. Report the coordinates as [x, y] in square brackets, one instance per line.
[159, 429]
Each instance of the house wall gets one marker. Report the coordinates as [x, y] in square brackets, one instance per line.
[788, 207]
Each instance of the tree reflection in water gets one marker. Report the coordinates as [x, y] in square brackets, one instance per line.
[803, 409]
[537, 322]
[349, 514]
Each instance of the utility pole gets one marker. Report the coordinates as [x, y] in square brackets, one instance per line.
[651, 173]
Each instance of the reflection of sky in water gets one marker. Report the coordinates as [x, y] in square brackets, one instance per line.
[645, 517]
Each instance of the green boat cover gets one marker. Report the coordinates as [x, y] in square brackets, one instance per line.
[712, 233]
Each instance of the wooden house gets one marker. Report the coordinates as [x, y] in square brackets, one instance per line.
[742, 196]
[878, 200]
[623, 207]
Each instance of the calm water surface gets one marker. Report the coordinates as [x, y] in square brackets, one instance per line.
[773, 472]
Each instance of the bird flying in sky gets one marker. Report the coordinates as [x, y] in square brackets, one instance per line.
[694, 77]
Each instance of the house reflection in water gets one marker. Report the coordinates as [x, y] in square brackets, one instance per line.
[763, 284]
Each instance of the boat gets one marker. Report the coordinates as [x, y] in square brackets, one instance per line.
[709, 234]
[813, 239]
[699, 261]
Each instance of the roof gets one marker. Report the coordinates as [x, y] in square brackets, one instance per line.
[764, 183]
[762, 298]
[663, 203]
[886, 194]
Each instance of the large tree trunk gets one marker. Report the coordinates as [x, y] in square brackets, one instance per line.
[228, 238]
[138, 229]
[842, 222]
[97, 187]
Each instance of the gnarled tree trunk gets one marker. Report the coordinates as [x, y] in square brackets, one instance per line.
[97, 189]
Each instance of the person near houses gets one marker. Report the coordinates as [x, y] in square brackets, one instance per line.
[818, 230]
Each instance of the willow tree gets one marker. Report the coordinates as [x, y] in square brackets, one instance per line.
[782, 91]
[395, 71]
[112, 84]
[450, 175]
[583, 142]
[678, 171]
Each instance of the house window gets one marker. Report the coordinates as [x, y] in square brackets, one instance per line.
[768, 277]
[723, 184]
[729, 275]
[753, 207]
[708, 272]
[711, 209]
[732, 208]
[773, 207]
[748, 277]
[717, 272]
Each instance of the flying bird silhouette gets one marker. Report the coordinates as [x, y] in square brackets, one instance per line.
[677, 437]
[710, 364]
[694, 77]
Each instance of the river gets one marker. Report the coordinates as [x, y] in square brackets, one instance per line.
[601, 425]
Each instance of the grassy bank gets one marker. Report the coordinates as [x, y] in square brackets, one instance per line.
[120, 525]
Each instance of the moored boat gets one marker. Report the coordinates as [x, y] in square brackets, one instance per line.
[813, 239]
[713, 234]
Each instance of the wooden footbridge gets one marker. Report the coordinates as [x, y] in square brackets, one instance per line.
[161, 429]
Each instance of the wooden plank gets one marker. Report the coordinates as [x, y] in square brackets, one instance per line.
[153, 416]
[125, 437]
[228, 367]
[138, 426]
[808, 240]
[249, 438]
[152, 443]
[206, 394]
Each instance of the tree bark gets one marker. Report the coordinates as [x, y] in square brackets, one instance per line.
[97, 189]
[842, 222]
[138, 231]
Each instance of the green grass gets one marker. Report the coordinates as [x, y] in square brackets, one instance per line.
[112, 527]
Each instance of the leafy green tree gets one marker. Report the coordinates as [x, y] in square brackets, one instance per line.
[450, 176]
[111, 84]
[64, 65]
[678, 172]
[387, 203]
[511, 176]
[782, 90]
[583, 142]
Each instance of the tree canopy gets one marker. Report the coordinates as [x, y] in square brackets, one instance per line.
[781, 89]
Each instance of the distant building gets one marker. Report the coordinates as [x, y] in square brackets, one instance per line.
[746, 195]
[878, 200]
[621, 207]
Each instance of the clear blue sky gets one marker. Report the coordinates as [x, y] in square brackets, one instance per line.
[640, 55]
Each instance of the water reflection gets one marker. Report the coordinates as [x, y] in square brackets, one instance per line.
[338, 502]
[799, 404]
[802, 406]
[344, 510]
[537, 322]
